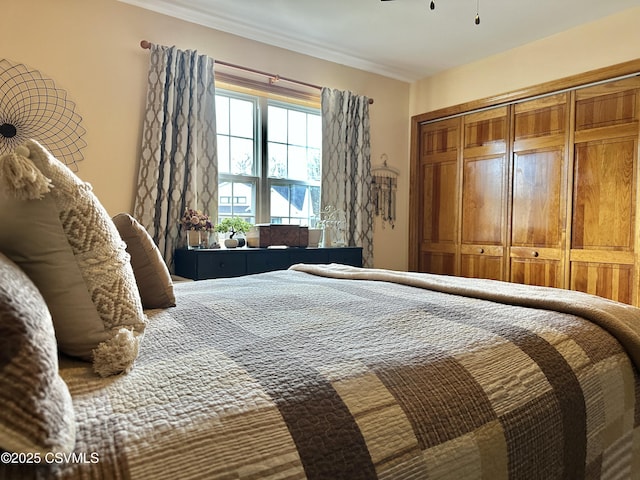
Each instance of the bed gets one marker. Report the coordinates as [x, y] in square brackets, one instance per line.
[335, 372]
[110, 370]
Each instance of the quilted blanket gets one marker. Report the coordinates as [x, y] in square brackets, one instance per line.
[299, 374]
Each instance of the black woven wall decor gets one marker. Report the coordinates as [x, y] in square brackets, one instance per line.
[31, 107]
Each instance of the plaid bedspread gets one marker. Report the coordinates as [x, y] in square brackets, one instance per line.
[294, 375]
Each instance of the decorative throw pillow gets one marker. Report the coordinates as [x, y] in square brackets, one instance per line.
[56, 230]
[37, 413]
[152, 275]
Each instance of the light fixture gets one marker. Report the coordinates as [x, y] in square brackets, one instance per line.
[476, 20]
[432, 6]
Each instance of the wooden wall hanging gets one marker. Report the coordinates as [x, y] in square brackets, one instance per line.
[384, 184]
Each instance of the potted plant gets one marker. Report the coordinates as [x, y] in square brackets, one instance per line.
[233, 226]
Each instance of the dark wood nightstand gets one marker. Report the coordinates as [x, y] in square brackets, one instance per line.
[200, 264]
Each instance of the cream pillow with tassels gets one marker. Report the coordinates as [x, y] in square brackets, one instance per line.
[56, 230]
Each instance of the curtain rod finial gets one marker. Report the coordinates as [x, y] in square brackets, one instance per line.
[145, 44]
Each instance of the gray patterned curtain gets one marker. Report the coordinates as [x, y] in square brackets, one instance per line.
[178, 166]
[346, 165]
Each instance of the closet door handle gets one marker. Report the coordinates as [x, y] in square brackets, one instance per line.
[536, 254]
[481, 250]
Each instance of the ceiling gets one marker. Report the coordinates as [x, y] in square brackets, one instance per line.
[401, 39]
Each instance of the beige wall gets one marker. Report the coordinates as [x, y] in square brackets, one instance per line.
[91, 50]
[612, 40]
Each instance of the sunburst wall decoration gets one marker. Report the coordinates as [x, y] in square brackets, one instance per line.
[31, 107]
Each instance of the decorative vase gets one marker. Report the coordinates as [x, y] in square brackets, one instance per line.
[315, 235]
[326, 236]
[196, 239]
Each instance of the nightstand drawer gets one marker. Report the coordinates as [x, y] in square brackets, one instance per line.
[309, 255]
[219, 265]
[346, 256]
[259, 261]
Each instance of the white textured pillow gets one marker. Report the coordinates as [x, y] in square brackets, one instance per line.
[65, 241]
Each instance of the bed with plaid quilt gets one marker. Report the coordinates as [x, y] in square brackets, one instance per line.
[334, 372]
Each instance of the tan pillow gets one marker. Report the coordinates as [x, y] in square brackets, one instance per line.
[37, 413]
[67, 244]
[152, 275]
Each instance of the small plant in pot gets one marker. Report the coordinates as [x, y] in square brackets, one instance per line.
[233, 226]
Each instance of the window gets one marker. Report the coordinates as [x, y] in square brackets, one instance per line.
[269, 159]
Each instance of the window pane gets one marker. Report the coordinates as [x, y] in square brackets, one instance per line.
[223, 154]
[297, 128]
[299, 204]
[277, 124]
[241, 118]
[280, 204]
[277, 160]
[295, 204]
[241, 152]
[314, 214]
[222, 115]
[236, 199]
[314, 165]
[314, 131]
[297, 163]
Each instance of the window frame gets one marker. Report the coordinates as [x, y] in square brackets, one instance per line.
[261, 203]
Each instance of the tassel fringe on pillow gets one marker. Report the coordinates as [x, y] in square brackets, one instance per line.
[20, 177]
[117, 354]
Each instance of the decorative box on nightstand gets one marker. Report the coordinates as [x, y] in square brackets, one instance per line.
[266, 235]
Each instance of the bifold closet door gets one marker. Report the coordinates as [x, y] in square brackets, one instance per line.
[604, 232]
[439, 147]
[484, 194]
[539, 191]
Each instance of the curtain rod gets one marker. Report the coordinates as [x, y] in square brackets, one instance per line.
[273, 78]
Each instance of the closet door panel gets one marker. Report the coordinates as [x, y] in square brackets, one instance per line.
[483, 215]
[613, 103]
[604, 230]
[440, 143]
[483, 201]
[546, 273]
[440, 186]
[603, 279]
[603, 211]
[439, 263]
[484, 194]
[543, 117]
[439, 227]
[481, 265]
[538, 191]
[537, 195]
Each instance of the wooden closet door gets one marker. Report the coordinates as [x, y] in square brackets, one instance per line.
[539, 193]
[484, 193]
[439, 147]
[604, 228]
